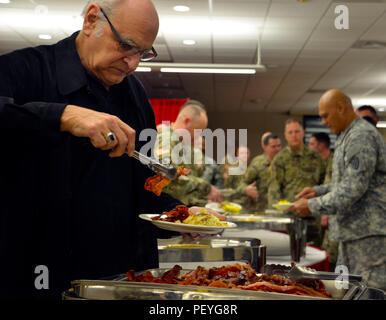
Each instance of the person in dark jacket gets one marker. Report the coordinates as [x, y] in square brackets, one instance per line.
[70, 196]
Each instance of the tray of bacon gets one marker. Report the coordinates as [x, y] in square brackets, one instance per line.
[231, 282]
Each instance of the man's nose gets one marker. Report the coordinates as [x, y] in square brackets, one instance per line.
[131, 61]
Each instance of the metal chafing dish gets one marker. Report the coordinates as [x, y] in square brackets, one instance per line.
[220, 249]
[276, 221]
[119, 289]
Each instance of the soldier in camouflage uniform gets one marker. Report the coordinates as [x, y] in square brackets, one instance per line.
[212, 172]
[174, 147]
[320, 142]
[232, 181]
[294, 168]
[357, 192]
[256, 180]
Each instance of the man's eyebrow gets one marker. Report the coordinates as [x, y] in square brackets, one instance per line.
[130, 42]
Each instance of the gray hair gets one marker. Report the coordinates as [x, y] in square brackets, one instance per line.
[109, 7]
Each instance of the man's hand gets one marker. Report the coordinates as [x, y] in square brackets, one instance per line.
[300, 207]
[215, 195]
[251, 191]
[306, 193]
[83, 122]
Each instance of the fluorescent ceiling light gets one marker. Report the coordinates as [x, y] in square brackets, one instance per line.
[377, 102]
[381, 124]
[381, 109]
[5, 1]
[181, 8]
[204, 67]
[203, 70]
[189, 42]
[143, 69]
[45, 36]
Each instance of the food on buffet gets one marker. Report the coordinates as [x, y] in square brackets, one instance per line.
[204, 218]
[284, 202]
[182, 214]
[179, 213]
[229, 207]
[235, 276]
[156, 183]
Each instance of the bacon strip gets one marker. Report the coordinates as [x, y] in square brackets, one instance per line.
[236, 276]
[156, 183]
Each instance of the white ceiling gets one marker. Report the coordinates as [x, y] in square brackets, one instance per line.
[303, 51]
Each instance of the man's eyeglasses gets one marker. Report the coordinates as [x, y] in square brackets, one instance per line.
[128, 48]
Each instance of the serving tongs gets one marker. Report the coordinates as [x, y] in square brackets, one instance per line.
[298, 273]
[167, 171]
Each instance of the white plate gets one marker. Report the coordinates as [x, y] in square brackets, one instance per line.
[217, 207]
[185, 228]
[282, 207]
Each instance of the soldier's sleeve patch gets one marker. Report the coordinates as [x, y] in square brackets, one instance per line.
[355, 162]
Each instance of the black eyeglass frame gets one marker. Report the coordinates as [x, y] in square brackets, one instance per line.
[123, 43]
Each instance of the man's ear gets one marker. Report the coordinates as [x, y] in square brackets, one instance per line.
[340, 107]
[90, 20]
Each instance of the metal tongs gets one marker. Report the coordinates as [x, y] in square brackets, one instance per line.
[297, 273]
[161, 169]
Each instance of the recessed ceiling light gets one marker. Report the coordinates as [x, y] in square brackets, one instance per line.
[189, 42]
[45, 36]
[5, 1]
[181, 8]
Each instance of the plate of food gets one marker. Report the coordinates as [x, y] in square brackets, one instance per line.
[224, 207]
[282, 205]
[193, 220]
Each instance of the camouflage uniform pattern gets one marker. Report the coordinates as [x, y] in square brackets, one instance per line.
[330, 243]
[357, 192]
[191, 190]
[213, 175]
[328, 163]
[366, 257]
[291, 171]
[257, 171]
[233, 181]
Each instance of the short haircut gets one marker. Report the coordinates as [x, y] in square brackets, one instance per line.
[370, 119]
[369, 108]
[268, 137]
[293, 120]
[323, 138]
[194, 106]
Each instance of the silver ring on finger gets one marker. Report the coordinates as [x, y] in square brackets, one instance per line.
[110, 138]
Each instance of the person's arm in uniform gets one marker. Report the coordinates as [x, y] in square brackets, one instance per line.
[359, 166]
[277, 173]
[250, 176]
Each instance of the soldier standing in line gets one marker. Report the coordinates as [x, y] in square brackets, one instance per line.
[357, 193]
[320, 142]
[255, 182]
[175, 144]
[212, 172]
[294, 168]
